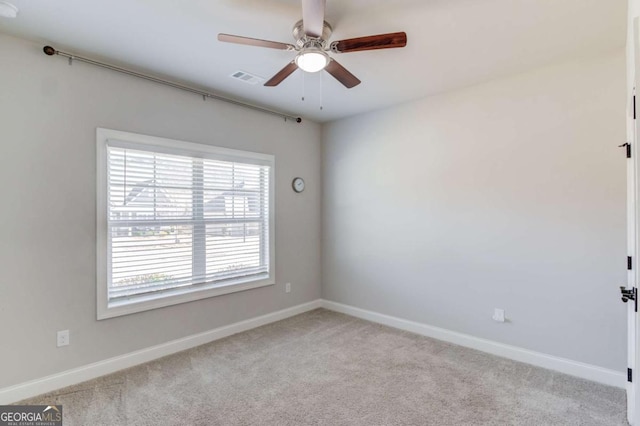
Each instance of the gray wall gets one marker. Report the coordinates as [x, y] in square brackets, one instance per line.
[509, 194]
[48, 115]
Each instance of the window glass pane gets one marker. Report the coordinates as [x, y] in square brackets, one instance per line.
[179, 221]
[144, 186]
[234, 247]
[145, 258]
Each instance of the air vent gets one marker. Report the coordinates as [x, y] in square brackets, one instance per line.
[246, 77]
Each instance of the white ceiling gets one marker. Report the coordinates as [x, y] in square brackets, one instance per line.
[451, 43]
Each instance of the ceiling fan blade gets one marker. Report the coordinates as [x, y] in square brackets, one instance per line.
[313, 17]
[341, 74]
[228, 38]
[380, 41]
[282, 74]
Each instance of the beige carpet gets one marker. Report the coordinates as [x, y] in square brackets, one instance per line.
[324, 368]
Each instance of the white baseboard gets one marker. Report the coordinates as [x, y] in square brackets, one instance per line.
[91, 371]
[562, 365]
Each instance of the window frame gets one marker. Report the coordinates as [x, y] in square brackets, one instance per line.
[181, 295]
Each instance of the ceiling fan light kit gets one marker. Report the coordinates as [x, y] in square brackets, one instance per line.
[312, 60]
[312, 47]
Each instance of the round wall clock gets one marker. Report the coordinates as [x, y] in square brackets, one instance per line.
[298, 184]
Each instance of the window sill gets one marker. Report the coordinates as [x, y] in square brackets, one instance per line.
[149, 302]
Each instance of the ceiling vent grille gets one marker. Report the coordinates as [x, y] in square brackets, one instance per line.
[247, 78]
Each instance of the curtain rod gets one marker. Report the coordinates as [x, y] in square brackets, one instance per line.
[50, 51]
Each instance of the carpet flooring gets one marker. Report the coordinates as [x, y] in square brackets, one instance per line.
[325, 368]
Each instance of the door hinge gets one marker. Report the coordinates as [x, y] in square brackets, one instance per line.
[629, 375]
[629, 263]
[628, 146]
[630, 294]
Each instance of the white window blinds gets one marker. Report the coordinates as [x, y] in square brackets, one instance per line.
[183, 221]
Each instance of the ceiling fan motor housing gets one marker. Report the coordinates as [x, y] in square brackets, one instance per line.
[305, 41]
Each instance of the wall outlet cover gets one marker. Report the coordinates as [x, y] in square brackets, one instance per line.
[63, 338]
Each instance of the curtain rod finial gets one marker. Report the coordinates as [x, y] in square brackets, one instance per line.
[48, 50]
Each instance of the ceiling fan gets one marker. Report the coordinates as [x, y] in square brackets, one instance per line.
[312, 44]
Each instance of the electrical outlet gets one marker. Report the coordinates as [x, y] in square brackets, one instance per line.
[63, 338]
[498, 315]
[287, 288]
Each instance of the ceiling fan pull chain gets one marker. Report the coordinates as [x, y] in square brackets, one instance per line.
[303, 85]
[321, 90]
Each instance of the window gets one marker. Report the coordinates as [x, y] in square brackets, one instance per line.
[179, 221]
